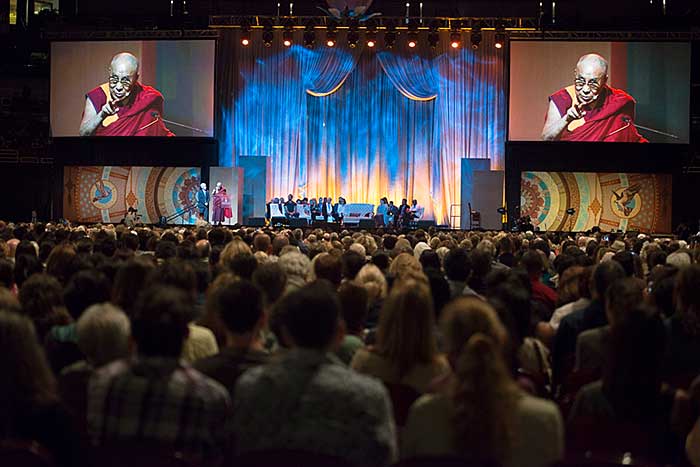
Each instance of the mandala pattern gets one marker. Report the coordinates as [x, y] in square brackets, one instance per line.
[103, 194]
[624, 201]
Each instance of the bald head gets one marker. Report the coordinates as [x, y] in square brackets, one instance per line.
[124, 63]
[592, 64]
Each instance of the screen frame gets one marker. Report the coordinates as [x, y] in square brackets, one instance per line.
[136, 37]
[508, 57]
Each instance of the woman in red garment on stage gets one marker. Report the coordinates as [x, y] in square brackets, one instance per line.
[218, 215]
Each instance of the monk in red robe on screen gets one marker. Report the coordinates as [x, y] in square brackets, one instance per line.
[590, 110]
[123, 106]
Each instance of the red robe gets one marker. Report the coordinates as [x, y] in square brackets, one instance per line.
[141, 117]
[611, 121]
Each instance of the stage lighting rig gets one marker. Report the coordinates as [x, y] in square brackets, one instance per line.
[412, 36]
[245, 35]
[331, 35]
[353, 35]
[475, 36]
[390, 37]
[500, 39]
[267, 35]
[309, 35]
[433, 35]
[455, 39]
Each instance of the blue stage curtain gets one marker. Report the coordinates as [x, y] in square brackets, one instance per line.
[362, 123]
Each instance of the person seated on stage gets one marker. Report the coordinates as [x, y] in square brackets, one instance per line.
[339, 209]
[314, 208]
[380, 217]
[416, 211]
[290, 207]
[590, 110]
[268, 211]
[123, 106]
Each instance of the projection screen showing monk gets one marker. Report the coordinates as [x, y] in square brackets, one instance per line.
[132, 88]
[599, 92]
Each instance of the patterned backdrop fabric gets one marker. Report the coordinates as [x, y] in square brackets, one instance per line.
[624, 201]
[362, 123]
[105, 193]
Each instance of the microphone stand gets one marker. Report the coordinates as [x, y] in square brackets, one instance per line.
[669, 135]
[183, 125]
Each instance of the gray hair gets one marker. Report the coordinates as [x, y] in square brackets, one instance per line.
[595, 58]
[103, 333]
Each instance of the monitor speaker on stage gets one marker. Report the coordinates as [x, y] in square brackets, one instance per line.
[297, 222]
[366, 224]
[425, 224]
[255, 222]
[226, 192]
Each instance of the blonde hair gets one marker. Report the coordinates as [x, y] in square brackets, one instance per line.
[405, 335]
[372, 279]
[404, 263]
[234, 247]
[485, 395]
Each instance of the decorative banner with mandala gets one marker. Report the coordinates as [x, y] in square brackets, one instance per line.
[105, 193]
[621, 201]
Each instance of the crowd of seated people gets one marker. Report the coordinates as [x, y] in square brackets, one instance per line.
[386, 213]
[364, 348]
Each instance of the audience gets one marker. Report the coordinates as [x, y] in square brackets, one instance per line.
[307, 400]
[406, 349]
[325, 341]
[155, 398]
[479, 413]
[30, 408]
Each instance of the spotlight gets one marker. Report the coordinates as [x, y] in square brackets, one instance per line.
[245, 34]
[476, 37]
[412, 40]
[500, 39]
[371, 39]
[330, 36]
[287, 37]
[455, 39]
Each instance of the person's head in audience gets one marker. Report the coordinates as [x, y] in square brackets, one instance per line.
[403, 264]
[458, 265]
[262, 242]
[159, 325]
[662, 282]
[354, 302]
[310, 317]
[86, 288]
[165, 249]
[7, 273]
[25, 267]
[243, 265]
[271, 279]
[239, 307]
[688, 299]
[405, 334]
[103, 332]
[176, 273]
[622, 296]
[278, 243]
[483, 391]
[328, 267]
[371, 278]
[352, 262]
[632, 373]
[296, 267]
[27, 382]
[381, 260]
[59, 263]
[533, 263]
[604, 275]
[41, 297]
[129, 281]
[429, 259]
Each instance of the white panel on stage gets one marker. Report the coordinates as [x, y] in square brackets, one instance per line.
[353, 212]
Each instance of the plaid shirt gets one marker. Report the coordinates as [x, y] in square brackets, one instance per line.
[161, 400]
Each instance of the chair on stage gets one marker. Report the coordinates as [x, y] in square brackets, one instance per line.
[474, 218]
[276, 215]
